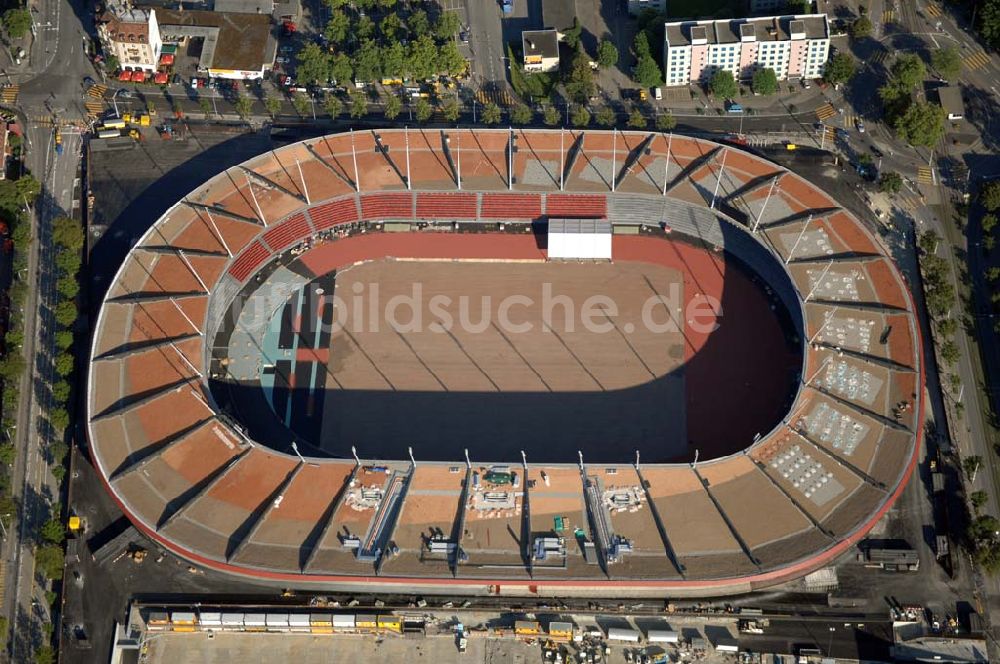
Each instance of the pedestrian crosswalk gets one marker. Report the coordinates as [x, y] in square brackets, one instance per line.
[933, 10]
[94, 108]
[850, 120]
[825, 112]
[97, 91]
[42, 121]
[829, 136]
[879, 57]
[977, 60]
[888, 16]
[493, 93]
[8, 94]
[925, 175]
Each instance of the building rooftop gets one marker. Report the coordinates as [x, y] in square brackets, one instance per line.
[242, 42]
[544, 43]
[768, 28]
[951, 100]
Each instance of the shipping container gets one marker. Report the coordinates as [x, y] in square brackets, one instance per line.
[527, 628]
[182, 618]
[349, 620]
[561, 630]
[662, 636]
[158, 620]
[113, 123]
[184, 628]
[276, 622]
[298, 622]
[621, 634]
[254, 622]
[108, 133]
[391, 623]
[232, 620]
[210, 619]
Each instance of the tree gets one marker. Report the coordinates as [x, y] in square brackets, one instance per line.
[64, 364]
[989, 22]
[861, 28]
[840, 69]
[572, 34]
[52, 531]
[971, 465]
[580, 116]
[978, 499]
[890, 183]
[337, 27]
[450, 60]
[418, 23]
[765, 81]
[272, 105]
[332, 106]
[637, 120]
[206, 106]
[908, 71]
[921, 124]
[949, 352]
[393, 107]
[491, 114]
[422, 110]
[989, 196]
[393, 60]
[988, 222]
[66, 313]
[49, 561]
[580, 78]
[60, 391]
[313, 64]
[640, 44]
[947, 61]
[68, 233]
[646, 72]
[392, 28]
[606, 116]
[421, 58]
[359, 105]
[7, 455]
[666, 121]
[723, 85]
[551, 116]
[446, 25]
[364, 28]
[450, 109]
[45, 655]
[17, 22]
[59, 419]
[68, 287]
[243, 106]
[520, 114]
[341, 69]
[301, 103]
[367, 62]
[12, 368]
[607, 53]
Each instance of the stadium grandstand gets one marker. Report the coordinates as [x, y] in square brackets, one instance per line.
[235, 429]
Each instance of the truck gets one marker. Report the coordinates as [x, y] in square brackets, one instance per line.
[507, 6]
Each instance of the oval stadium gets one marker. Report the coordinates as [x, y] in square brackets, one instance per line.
[518, 361]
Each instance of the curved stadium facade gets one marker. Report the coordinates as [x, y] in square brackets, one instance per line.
[194, 404]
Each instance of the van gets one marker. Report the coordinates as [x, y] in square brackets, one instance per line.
[733, 107]
[658, 93]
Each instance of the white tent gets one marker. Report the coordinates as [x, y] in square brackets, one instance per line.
[579, 239]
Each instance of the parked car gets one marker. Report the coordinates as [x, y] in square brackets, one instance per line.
[860, 125]
[88, 81]
[463, 37]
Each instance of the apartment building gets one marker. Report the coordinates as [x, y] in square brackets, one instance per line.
[131, 35]
[793, 46]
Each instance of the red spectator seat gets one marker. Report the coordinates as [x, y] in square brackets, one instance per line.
[511, 206]
[287, 233]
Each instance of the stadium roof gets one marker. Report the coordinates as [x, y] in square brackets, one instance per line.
[189, 479]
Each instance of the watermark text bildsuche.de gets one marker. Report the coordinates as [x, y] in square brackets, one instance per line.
[366, 309]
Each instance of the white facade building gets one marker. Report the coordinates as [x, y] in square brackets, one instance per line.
[793, 46]
[131, 35]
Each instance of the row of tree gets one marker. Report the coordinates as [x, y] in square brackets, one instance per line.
[939, 295]
[989, 198]
[408, 45]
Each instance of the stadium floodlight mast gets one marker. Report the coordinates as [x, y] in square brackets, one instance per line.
[354, 158]
[468, 464]
[637, 459]
[180, 252]
[295, 448]
[666, 165]
[819, 281]
[413, 462]
[581, 460]
[185, 360]
[718, 180]
[260, 213]
[458, 158]
[756, 222]
[406, 139]
[795, 246]
[524, 461]
[305, 188]
[614, 156]
[827, 317]
[510, 158]
[354, 453]
[562, 157]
